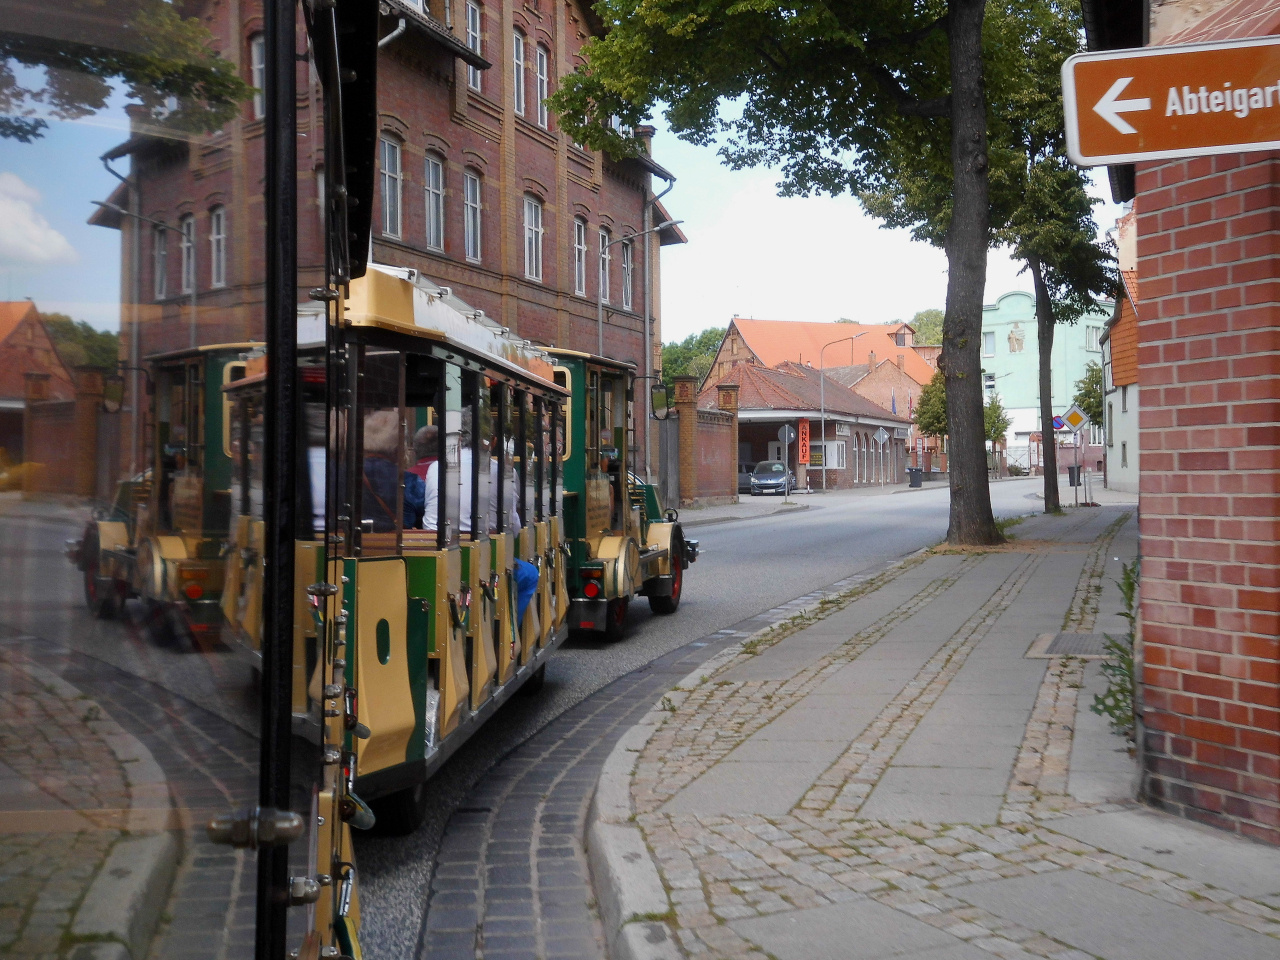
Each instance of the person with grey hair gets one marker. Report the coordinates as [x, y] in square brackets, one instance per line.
[382, 474]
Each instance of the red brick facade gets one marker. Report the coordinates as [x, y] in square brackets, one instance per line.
[1209, 359]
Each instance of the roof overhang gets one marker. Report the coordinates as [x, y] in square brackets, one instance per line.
[767, 416]
[432, 28]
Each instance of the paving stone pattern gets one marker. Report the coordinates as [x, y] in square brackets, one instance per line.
[511, 877]
[734, 878]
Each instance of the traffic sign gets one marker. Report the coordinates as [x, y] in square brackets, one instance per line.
[1059, 423]
[1181, 100]
[881, 436]
[1075, 419]
[786, 433]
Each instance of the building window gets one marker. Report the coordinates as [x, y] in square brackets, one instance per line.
[829, 455]
[474, 42]
[542, 65]
[604, 265]
[1124, 399]
[217, 247]
[471, 215]
[1124, 454]
[580, 257]
[988, 386]
[627, 268]
[257, 72]
[187, 244]
[532, 238]
[1111, 423]
[1096, 434]
[160, 260]
[1091, 337]
[988, 343]
[517, 71]
[900, 339]
[433, 180]
[391, 183]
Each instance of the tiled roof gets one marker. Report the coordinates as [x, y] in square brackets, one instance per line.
[12, 313]
[794, 387]
[1236, 20]
[779, 341]
[848, 376]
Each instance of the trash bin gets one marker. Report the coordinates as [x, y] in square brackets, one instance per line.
[1073, 476]
[916, 476]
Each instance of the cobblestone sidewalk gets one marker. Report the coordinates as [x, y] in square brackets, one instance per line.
[893, 778]
[86, 855]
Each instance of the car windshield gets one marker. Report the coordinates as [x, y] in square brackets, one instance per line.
[765, 469]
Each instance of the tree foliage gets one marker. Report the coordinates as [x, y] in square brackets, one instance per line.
[995, 419]
[692, 356]
[1089, 392]
[928, 327]
[79, 344]
[931, 408]
[69, 58]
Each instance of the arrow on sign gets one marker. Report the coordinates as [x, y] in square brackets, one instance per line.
[1109, 107]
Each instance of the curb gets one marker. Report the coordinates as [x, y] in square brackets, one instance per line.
[707, 521]
[121, 908]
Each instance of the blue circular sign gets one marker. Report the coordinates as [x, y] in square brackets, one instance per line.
[1058, 423]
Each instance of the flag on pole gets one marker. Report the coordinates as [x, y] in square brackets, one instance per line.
[893, 401]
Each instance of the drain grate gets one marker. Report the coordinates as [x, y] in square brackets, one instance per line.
[1078, 645]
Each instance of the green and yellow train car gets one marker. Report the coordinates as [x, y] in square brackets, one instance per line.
[620, 542]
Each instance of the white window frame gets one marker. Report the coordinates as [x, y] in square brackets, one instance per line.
[1111, 423]
[838, 449]
[603, 279]
[628, 268]
[433, 195]
[542, 70]
[580, 256]
[517, 72]
[160, 261]
[392, 183]
[187, 244]
[988, 387]
[475, 42]
[217, 246]
[1091, 337]
[471, 221]
[532, 237]
[988, 343]
[257, 73]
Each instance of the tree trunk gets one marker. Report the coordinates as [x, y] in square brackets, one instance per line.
[1044, 343]
[967, 239]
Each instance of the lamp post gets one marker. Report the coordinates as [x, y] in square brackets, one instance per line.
[822, 399]
[604, 249]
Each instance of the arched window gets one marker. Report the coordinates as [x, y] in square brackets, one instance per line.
[257, 73]
[433, 188]
[542, 71]
[580, 256]
[217, 247]
[187, 233]
[475, 41]
[517, 72]
[392, 181]
[532, 237]
[604, 265]
[471, 207]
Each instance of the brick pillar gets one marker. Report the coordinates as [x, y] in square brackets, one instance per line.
[89, 383]
[1209, 372]
[686, 404]
[727, 401]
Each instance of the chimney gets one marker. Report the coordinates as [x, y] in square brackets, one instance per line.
[871, 359]
[902, 361]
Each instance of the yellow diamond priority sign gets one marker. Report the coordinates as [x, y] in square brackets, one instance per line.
[1075, 419]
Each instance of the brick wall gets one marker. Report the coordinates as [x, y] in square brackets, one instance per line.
[1209, 358]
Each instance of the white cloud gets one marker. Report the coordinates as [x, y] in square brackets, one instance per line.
[26, 238]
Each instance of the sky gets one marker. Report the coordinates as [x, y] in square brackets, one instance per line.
[754, 254]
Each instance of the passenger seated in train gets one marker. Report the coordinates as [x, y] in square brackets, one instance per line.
[382, 475]
[427, 468]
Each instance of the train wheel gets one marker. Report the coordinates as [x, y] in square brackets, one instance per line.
[103, 604]
[615, 619]
[401, 813]
[665, 605]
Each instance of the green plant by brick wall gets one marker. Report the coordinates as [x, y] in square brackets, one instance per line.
[1116, 703]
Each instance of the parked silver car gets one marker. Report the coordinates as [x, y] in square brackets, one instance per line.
[744, 477]
[772, 476]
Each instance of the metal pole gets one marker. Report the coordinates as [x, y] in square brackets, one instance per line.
[1076, 485]
[648, 330]
[822, 398]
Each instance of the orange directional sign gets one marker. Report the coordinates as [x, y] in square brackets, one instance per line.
[1156, 103]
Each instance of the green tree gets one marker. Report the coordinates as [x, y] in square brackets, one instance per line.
[692, 356]
[882, 98]
[71, 52]
[1089, 392]
[79, 344]
[1051, 227]
[928, 327]
[995, 419]
[931, 409]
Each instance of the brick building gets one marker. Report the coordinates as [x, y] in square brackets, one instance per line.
[476, 187]
[1208, 341]
[25, 348]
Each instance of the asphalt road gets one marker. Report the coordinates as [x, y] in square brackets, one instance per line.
[746, 567]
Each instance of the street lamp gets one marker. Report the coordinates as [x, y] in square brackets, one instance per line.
[604, 249]
[822, 399]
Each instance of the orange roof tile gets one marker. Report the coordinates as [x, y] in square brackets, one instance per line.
[777, 341]
[794, 387]
[1234, 21]
[12, 313]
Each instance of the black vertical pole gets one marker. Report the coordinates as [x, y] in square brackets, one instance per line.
[280, 476]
